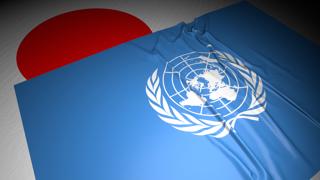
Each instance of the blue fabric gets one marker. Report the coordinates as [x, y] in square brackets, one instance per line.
[92, 119]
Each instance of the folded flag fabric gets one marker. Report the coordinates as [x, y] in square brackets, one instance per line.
[232, 95]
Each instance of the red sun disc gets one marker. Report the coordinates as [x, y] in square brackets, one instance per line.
[74, 35]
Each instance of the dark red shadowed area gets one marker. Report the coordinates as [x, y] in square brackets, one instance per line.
[74, 35]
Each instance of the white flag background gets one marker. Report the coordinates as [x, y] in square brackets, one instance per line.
[18, 18]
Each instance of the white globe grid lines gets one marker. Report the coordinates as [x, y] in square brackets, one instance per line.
[204, 125]
[171, 71]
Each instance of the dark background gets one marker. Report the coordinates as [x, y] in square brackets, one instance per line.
[302, 16]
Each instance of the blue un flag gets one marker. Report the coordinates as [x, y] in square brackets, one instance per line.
[232, 95]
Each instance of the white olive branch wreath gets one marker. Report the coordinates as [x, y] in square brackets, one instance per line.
[201, 127]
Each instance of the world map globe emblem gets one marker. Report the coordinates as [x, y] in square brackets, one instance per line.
[206, 93]
[204, 84]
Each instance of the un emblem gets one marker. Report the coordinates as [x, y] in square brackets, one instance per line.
[205, 93]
